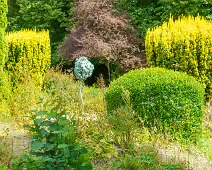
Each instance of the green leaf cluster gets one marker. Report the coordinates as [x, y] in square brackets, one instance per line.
[168, 102]
[52, 15]
[54, 143]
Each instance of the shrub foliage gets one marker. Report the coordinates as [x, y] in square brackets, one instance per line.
[54, 15]
[54, 144]
[29, 55]
[183, 45]
[170, 101]
[150, 13]
[4, 90]
[3, 25]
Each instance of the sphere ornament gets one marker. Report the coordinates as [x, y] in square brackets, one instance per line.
[83, 68]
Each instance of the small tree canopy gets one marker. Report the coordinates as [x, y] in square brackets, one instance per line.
[103, 33]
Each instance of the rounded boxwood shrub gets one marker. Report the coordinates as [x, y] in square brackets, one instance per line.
[170, 102]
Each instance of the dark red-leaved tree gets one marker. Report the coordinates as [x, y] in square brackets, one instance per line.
[103, 34]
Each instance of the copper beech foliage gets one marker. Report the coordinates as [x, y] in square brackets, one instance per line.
[103, 33]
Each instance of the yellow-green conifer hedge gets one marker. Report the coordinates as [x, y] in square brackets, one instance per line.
[29, 55]
[183, 45]
[3, 25]
[4, 86]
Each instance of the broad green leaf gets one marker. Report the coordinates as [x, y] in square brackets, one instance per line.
[43, 132]
[57, 131]
[45, 123]
[52, 138]
[74, 155]
[117, 165]
[53, 127]
[60, 168]
[67, 152]
[62, 146]
[76, 147]
[37, 145]
[83, 151]
[41, 113]
[52, 115]
[38, 121]
[50, 146]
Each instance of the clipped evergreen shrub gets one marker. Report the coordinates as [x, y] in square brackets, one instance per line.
[29, 56]
[52, 15]
[3, 25]
[183, 45]
[172, 102]
[4, 86]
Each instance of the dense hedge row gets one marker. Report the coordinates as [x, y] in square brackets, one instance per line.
[52, 15]
[3, 25]
[183, 45]
[29, 56]
[4, 89]
[172, 102]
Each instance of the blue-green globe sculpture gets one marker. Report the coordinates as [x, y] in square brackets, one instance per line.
[83, 68]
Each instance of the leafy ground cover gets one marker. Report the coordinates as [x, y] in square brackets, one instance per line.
[113, 142]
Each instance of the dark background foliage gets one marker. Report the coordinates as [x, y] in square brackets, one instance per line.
[150, 13]
[54, 15]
